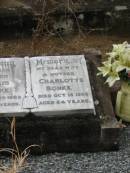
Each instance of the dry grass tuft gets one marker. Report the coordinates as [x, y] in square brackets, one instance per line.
[50, 24]
[18, 159]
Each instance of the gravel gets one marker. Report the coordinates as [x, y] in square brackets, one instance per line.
[100, 162]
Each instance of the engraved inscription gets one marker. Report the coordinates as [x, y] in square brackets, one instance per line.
[45, 84]
[12, 85]
[61, 83]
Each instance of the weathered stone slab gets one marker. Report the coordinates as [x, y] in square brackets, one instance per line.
[48, 84]
[79, 132]
[61, 84]
[45, 85]
[12, 85]
[15, 17]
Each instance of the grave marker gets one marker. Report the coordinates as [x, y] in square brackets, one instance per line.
[61, 83]
[65, 87]
[12, 85]
[47, 84]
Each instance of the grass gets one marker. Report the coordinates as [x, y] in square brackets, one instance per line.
[18, 161]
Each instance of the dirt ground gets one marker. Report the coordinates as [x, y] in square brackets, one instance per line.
[58, 45]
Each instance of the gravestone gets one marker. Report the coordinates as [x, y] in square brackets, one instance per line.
[12, 85]
[66, 107]
[55, 85]
[61, 85]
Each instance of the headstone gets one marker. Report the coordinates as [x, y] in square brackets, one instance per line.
[48, 85]
[75, 108]
[61, 84]
[12, 86]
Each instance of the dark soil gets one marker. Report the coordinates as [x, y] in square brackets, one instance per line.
[58, 45]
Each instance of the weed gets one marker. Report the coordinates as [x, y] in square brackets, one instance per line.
[18, 159]
[57, 18]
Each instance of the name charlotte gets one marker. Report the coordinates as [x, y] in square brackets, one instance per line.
[59, 81]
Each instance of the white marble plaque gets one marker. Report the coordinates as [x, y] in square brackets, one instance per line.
[12, 85]
[61, 83]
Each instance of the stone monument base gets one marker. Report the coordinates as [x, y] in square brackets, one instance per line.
[73, 134]
[77, 132]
